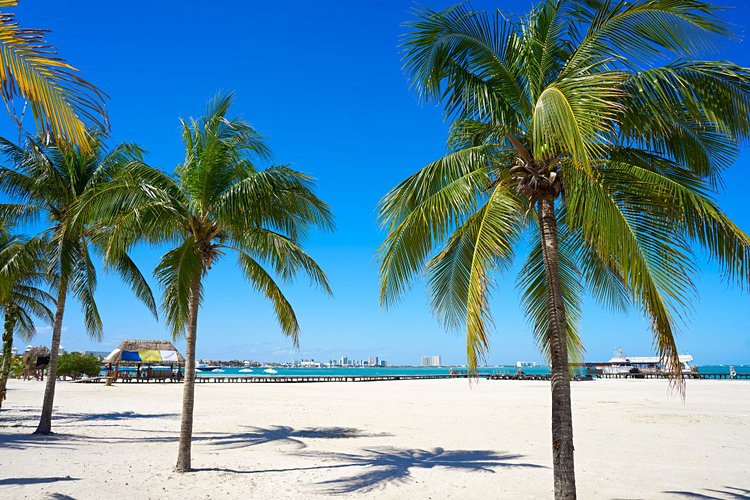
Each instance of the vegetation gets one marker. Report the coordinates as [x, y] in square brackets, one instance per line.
[76, 364]
[598, 131]
[22, 272]
[48, 181]
[216, 202]
[17, 367]
[60, 99]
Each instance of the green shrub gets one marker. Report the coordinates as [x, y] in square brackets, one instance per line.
[17, 367]
[75, 365]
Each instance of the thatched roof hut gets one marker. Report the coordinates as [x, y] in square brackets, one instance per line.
[144, 352]
[37, 351]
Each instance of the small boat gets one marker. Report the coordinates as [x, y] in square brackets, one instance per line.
[206, 368]
[621, 363]
[246, 370]
[270, 370]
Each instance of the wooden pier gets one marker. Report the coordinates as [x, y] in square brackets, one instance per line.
[219, 379]
[286, 379]
[690, 375]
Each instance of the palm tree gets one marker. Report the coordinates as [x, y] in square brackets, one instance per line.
[49, 181]
[22, 272]
[216, 202]
[595, 129]
[60, 99]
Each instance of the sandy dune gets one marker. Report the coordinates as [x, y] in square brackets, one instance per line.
[407, 439]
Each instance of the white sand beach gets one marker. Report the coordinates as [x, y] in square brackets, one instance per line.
[403, 439]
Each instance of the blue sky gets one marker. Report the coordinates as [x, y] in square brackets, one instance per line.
[323, 81]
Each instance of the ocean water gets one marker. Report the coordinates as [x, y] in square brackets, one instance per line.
[409, 370]
[364, 372]
[405, 370]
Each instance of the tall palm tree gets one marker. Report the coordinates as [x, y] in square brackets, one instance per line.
[61, 101]
[217, 201]
[49, 181]
[22, 273]
[595, 129]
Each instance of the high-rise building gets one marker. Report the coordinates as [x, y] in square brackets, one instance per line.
[373, 361]
[431, 361]
[343, 361]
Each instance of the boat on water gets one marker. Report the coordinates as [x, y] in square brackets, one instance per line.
[525, 364]
[206, 368]
[246, 370]
[622, 363]
[270, 370]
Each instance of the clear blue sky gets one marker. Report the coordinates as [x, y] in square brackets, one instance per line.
[323, 81]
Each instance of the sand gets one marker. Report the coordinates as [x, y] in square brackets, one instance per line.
[403, 439]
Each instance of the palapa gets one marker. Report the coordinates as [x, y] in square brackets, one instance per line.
[145, 351]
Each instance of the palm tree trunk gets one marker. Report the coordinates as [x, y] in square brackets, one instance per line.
[10, 323]
[562, 419]
[188, 392]
[45, 421]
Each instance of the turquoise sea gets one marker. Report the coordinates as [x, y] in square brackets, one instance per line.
[408, 370]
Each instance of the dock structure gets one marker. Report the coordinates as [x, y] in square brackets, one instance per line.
[301, 379]
[686, 375]
[323, 378]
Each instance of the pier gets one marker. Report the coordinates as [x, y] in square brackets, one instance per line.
[302, 379]
[690, 375]
[325, 378]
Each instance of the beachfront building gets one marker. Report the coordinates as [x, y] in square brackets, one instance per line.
[144, 360]
[431, 361]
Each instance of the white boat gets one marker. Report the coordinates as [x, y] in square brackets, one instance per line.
[206, 368]
[246, 370]
[525, 364]
[621, 363]
[270, 370]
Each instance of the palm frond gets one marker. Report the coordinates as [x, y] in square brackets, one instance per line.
[264, 283]
[61, 101]
[460, 276]
[469, 60]
[83, 285]
[422, 211]
[177, 271]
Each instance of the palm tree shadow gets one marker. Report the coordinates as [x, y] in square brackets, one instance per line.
[20, 415]
[394, 466]
[727, 493]
[34, 480]
[284, 435]
[24, 441]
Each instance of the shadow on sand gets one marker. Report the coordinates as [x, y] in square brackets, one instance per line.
[34, 480]
[726, 493]
[253, 437]
[393, 466]
[283, 435]
[383, 466]
[18, 415]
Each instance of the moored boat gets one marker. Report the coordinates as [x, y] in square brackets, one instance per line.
[206, 368]
[622, 363]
